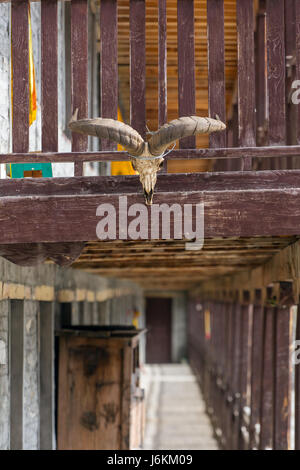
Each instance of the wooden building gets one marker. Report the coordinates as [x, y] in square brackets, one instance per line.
[157, 60]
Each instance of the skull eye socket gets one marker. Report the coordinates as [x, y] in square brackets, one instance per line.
[161, 164]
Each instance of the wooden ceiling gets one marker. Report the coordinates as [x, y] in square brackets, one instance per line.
[167, 265]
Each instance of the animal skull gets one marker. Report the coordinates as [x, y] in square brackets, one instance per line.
[146, 157]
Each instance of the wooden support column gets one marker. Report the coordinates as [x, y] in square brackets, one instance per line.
[79, 73]
[246, 320]
[236, 375]
[16, 373]
[256, 369]
[268, 375]
[283, 367]
[216, 72]
[229, 371]
[297, 389]
[46, 334]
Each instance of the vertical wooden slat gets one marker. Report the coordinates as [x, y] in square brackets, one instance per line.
[261, 82]
[244, 363]
[162, 63]
[256, 375]
[267, 404]
[109, 63]
[246, 77]
[162, 68]
[186, 64]
[276, 74]
[46, 334]
[16, 373]
[137, 66]
[49, 75]
[79, 72]
[283, 368]
[282, 379]
[20, 75]
[297, 20]
[297, 390]
[216, 72]
[236, 377]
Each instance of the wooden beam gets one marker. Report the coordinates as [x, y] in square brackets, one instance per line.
[238, 204]
[206, 153]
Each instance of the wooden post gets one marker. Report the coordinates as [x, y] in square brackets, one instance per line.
[186, 64]
[79, 73]
[268, 377]
[283, 367]
[256, 369]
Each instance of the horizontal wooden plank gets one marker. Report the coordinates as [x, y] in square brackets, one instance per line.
[254, 206]
[166, 183]
[207, 153]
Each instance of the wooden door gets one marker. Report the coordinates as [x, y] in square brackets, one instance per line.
[158, 324]
[93, 393]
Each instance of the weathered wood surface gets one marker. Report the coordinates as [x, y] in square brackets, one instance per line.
[246, 77]
[237, 204]
[268, 382]
[137, 66]
[20, 75]
[186, 64]
[256, 370]
[162, 63]
[230, 182]
[49, 75]
[79, 72]
[207, 153]
[32, 254]
[276, 74]
[109, 64]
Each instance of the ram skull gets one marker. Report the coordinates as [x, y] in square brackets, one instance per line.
[146, 157]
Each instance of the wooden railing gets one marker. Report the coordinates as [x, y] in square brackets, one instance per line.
[261, 114]
[244, 366]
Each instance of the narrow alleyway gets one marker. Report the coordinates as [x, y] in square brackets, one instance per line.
[175, 415]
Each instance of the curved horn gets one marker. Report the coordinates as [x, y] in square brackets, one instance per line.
[179, 128]
[110, 129]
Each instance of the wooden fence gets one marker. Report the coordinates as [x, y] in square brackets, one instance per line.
[261, 113]
[245, 368]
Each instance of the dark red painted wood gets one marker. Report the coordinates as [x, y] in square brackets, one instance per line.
[137, 66]
[297, 388]
[297, 27]
[225, 153]
[49, 75]
[186, 64]
[109, 63]
[227, 214]
[20, 75]
[216, 68]
[79, 72]
[236, 183]
[256, 367]
[159, 327]
[236, 377]
[261, 77]
[276, 74]
[245, 325]
[162, 63]
[267, 403]
[283, 368]
[246, 77]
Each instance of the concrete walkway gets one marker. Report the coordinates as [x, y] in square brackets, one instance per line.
[175, 416]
